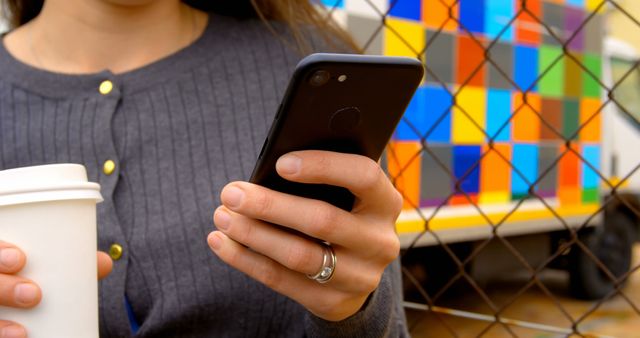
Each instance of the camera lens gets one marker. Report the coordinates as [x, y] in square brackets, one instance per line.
[319, 78]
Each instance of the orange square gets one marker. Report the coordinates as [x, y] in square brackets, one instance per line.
[403, 160]
[590, 120]
[460, 199]
[495, 172]
[569, 195]
[471, 68]
[435, 14]
[569, 177]
[526, 122]
[569, 167]
[527, 27]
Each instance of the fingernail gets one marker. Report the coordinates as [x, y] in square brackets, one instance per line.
[13, 331]
[26, 294]
[9, 257]
[289, 164]
[223, 219]
[232, 196]
[214, 241]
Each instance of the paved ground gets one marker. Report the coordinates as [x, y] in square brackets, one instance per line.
[614, 318]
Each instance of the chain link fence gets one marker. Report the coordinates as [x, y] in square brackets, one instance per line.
[516, 158]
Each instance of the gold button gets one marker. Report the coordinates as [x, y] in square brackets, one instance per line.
[115, 251]
[108, 167]
[105, 87]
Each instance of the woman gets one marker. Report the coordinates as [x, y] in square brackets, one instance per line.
[167, 105]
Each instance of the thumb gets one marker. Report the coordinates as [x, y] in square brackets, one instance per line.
[105, 265]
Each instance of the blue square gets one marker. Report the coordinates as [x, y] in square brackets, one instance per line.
[428, 112]
[408, 9]
[526, 67]
[498, 113]
[333, 3]
[472, 15]
[412, 125]
[438, 102]
[498, 14]
[466, 167]
[525, 159]
[591, 154]
[578, 3]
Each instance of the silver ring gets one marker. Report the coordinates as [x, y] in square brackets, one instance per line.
[328, 267]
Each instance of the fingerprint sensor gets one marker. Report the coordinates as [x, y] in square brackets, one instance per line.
[345, 120]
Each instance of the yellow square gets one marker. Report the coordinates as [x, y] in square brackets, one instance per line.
[593, 4]
[404, 38]
[494, 197]
[473, 100]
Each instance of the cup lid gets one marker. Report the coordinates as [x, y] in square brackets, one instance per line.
[45, 183]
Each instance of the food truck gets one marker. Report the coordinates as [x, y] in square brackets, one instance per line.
[514, 132]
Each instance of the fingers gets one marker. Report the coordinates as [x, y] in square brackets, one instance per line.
[105, 265]
[297, 253]
[361, 175]
[12, 259]
[255, 265]
[11, 330]
[15, 291]
[364, 240]
[333, 305]
[312, 217]
[18, 292]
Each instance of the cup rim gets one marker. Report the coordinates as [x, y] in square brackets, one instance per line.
[47, 182]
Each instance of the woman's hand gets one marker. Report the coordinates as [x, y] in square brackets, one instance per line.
[18, 292]
[364, 240]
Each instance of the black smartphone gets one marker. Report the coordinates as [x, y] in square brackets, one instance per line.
[337, 102]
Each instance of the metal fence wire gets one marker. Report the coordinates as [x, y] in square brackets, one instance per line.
[516, 159]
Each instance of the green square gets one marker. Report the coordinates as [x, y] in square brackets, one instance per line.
[589, 195]
[570, 118]
[551, 84]
[517, 197]
[590, 86]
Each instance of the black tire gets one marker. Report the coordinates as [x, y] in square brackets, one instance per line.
[612, 244]
[433, 268]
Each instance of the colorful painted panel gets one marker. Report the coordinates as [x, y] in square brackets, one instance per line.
[502, 106]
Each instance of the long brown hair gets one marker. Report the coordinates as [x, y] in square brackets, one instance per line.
[298, 15]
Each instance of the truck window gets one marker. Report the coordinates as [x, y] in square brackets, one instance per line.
[628, 91]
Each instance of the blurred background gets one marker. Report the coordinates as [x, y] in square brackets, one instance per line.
[518, 161]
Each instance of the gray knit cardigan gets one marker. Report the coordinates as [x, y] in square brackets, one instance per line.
[177, 130]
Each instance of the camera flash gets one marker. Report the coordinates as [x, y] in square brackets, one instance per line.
[342, 78]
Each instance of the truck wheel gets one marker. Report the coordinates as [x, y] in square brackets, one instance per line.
[432, 268]
[612, 245]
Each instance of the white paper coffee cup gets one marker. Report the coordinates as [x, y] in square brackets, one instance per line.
[49, 212]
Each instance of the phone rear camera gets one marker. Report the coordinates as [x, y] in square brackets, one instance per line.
[319, 78]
